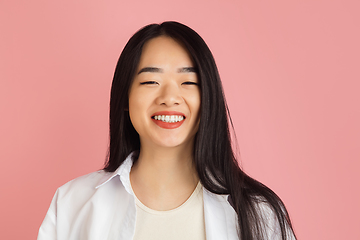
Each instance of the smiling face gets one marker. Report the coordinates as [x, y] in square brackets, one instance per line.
[164, 98]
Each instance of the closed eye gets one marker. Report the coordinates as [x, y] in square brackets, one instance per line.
[148, 82]
[190, 83]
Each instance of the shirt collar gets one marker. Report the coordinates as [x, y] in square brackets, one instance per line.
[123, 171]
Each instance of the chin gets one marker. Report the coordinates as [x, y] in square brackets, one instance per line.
[170, 144]
[173, 143]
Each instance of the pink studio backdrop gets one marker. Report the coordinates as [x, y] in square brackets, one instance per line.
[291, 76]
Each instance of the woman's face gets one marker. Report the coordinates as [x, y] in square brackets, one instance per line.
[164, 98]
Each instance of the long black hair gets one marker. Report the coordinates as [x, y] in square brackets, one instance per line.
[214, 159]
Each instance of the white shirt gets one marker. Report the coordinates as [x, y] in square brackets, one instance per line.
[101, 205]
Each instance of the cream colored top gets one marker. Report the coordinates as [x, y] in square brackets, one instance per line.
[183, 222]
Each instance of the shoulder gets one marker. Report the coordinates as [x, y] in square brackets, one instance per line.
[81, 188]
[83, 203]
[93, 191]
[88, 181]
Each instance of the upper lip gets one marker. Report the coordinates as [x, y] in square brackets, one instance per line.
[168, 113]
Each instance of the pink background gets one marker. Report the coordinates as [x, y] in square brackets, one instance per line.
[291, 76]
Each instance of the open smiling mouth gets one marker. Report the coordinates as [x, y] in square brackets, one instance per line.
[168, 121]
[168, 118]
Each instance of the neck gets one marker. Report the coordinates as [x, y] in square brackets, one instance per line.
[163, 178]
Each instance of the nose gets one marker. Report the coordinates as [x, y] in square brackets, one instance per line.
[169, 95]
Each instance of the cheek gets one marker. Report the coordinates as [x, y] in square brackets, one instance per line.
[138, 109]
[195, 102]
[198, 110]
[135, 120]
[134, 100]
[134, 110]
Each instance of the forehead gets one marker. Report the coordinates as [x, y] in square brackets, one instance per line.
[164, 50]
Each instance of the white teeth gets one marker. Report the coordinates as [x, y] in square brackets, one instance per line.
[169, 118]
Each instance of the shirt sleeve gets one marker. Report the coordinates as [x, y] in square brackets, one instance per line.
[47, 229]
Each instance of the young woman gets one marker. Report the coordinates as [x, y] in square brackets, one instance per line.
[171, 172]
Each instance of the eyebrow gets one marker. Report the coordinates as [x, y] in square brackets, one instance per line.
[150, 69]
[160, 70]
[187, 69]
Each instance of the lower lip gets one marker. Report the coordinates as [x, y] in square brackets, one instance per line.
[168, 125]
